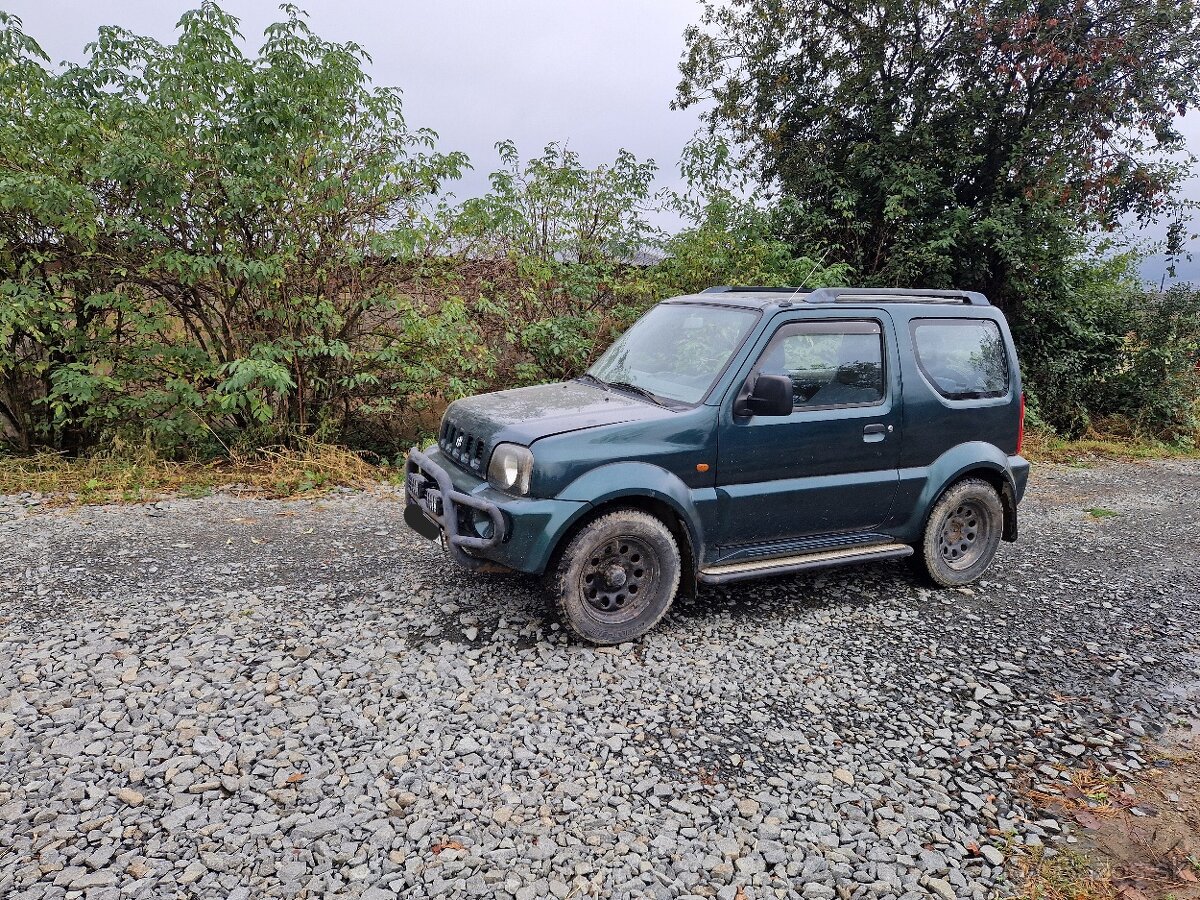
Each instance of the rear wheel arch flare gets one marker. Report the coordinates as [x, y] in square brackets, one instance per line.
[997, 479]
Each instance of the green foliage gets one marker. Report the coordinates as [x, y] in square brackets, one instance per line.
[732, 238]
[583, 260]
[1158, 389]
[206, 248]
[1071, 342]
[194, 239]
[1105, 347]
[553, 209]
[562, 237]
[951, 144]
[982, 146]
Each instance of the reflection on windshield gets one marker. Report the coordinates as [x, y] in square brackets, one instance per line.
[675, 351]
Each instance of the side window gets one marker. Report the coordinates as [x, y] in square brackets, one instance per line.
[964, 359]
[830, 363]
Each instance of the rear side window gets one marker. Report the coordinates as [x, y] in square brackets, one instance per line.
[964, 359]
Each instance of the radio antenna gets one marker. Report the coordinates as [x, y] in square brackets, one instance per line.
[816, 264]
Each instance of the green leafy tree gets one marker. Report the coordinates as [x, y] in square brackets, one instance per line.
[207, 249]
[196, 238]
[584, 258]
[553, 208]
[730, 234]
[567, 235]
[1074, 340]
[1106, 354]
[1157, 389]
[965, 143]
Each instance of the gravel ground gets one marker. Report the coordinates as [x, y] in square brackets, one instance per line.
[231, 697]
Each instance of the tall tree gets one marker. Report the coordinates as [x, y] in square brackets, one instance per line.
[970, 143]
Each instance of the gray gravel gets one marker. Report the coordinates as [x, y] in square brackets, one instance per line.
[230, 698]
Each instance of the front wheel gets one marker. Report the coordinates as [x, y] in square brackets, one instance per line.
[962, 534]
[617, 577]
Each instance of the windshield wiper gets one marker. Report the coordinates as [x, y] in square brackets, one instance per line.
[591, 377]
[635, 389]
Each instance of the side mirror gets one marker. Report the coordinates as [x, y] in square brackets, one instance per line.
[771, 395]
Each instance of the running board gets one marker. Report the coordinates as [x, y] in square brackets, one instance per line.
[761, 568]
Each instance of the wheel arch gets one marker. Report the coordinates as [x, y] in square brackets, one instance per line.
[665, 509]
[973, 459]
[999, 479]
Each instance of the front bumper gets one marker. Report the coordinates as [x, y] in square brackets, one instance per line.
[430, 493]
[442, 500]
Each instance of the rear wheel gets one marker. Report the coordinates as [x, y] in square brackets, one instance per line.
[962, 533]
[617, 577]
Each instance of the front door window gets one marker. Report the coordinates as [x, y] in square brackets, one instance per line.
[831, 364]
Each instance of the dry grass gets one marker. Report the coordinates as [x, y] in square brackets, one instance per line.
[1092, 791]
[1069, 875]
[1045, 446]
[136, 475]
[1138, 836]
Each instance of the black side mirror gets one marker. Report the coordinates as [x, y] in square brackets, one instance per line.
[770, 396]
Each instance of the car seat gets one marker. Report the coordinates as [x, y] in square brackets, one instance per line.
[859, 376]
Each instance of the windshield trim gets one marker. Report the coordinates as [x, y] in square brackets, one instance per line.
[678, 405]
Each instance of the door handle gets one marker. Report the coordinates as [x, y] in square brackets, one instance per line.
[875, 433]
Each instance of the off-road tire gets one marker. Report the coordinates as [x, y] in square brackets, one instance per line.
[961, 535]
[617, 577]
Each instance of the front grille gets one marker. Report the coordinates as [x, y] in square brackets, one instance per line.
[463, 448]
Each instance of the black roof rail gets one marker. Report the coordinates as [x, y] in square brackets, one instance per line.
[751, 289]
[863, 295]
[895, 295]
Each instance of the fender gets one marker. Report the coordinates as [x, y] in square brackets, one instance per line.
[920, 487]
[613, 481]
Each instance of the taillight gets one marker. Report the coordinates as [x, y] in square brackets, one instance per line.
[1021, 426]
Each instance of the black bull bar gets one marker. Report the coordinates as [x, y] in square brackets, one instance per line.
[433, 502]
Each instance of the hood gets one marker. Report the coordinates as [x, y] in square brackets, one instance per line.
[474, 425]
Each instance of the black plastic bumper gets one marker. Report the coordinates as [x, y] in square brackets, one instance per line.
[430, 494]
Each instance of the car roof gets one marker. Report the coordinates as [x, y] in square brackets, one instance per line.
[765, 297]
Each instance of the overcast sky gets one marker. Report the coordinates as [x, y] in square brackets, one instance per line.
[597, 74]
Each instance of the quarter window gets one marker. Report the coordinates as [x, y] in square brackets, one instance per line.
[964, 359]
[829, 363]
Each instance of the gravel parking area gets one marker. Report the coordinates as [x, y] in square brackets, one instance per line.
[230, 697]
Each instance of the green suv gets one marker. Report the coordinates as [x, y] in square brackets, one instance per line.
[739, 433]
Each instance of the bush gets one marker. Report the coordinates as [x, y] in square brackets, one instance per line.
[1158, 389]
[1103, 347]
[206, 252]
[1072, 340]
[575, 260]
[196, 242]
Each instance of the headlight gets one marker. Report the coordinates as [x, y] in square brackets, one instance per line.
[511, 468]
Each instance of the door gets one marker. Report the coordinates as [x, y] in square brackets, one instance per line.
[829, 468]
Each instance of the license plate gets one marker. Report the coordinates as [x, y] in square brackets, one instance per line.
[420, 523]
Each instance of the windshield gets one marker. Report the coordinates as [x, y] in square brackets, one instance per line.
[675, 351]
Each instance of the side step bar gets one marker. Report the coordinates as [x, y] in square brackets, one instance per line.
[762, 568]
